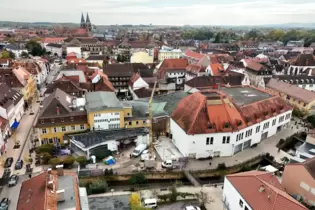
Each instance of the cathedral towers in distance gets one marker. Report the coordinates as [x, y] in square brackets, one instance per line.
[86, 24]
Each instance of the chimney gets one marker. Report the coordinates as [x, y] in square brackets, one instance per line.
[50, 185]
[59, 170]
[261, 188]
[60, 195]
[49, 170]
[57, 110]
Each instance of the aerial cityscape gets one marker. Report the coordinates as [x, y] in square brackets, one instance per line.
[120, 105]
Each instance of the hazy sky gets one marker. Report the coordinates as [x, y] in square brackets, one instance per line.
[166, 12]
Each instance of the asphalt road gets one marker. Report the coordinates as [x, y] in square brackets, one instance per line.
[13, 192]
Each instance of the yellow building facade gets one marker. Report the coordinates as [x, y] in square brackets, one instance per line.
[54, 134]
[141, 57]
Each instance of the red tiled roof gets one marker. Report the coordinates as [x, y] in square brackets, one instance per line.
[194, 55]
[193, 68]
[33, 193]
[217, 69]
[198, 113]
[255, 66]
[73, 78]
[272, 197]
[172, 64]
[195, 114]
[52, 39]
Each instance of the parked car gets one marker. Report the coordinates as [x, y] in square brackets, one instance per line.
[13, 180]
[18, 164]
[191, 208]
[170, 164]
[138, 150]
[4, 205]
[8, 162]
[145, 155]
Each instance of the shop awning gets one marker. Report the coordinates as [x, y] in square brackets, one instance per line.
[15, 125]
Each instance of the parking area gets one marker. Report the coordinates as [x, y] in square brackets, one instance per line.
[118, 202]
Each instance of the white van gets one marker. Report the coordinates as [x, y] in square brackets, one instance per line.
[138, 150]
[150, 203]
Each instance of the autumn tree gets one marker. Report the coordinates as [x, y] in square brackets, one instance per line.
[134, 200]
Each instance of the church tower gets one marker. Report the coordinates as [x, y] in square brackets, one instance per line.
[82, 24]
[88, 23]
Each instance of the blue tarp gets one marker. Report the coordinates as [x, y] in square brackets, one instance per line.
[15, 125]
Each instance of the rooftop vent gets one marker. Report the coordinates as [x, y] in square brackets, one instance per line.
[261, 188]
[60, 195]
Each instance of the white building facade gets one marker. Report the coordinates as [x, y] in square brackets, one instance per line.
[226, 144]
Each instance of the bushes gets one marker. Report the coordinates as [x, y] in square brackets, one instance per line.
[94, 186]
[98, 186]
[82, 160]
[68, 161]
[45, 157]
[45, 148]
[138, 178]
[55, 161]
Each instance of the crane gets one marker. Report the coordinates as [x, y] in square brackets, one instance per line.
[151, 121]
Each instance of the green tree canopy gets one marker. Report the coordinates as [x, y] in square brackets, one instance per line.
[35, 48]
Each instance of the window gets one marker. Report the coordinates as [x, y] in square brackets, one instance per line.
[241, 203]
[228, 140]
[72, 127]
[62, 120]
[130, 123]
[137, 122]
[223, 140]
[266, 125]
[82, 127]
[281, 119]
[209, 140]
[144, 122]
[44, 131]
[42, 121]
[257, 128]
[50, 141]
[288, 116]
[52, 120]
[63, 128]
[55, 130]
[273, 122]
[248, 133]
[246, 208]
[71, 118]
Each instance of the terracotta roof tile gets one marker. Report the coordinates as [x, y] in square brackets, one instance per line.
[194, 55]
[272, 197]
[172, 65]
[201, 112]
[195, 69]
[33, 193]
[217, 69]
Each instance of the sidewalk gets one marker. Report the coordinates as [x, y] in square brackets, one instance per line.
[22, 133]
[266, 146]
